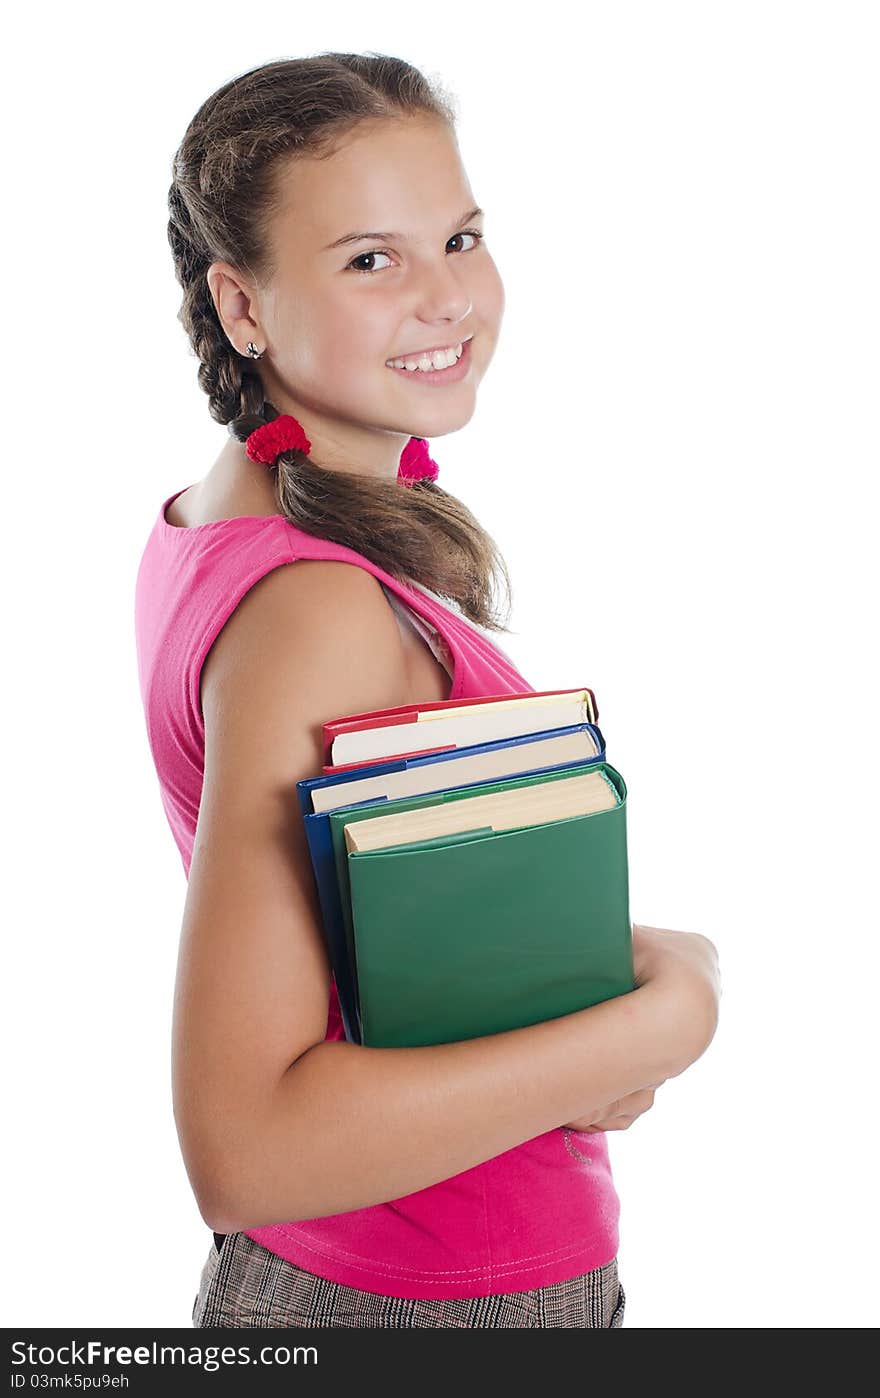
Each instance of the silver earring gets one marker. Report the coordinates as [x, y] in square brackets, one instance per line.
[253, 351]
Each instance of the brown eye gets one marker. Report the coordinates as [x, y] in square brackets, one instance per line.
[471, 233]
[362, 256]
[379, 252]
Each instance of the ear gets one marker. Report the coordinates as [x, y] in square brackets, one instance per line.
[236, 304]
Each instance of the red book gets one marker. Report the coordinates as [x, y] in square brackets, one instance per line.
[406, 716]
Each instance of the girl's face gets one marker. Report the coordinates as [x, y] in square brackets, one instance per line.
[337, 311]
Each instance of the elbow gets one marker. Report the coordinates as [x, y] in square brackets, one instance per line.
[217, 1178]
[236, 1206]
[231, 1212]
[221, 1219]
[216, 1195]
[233, 1196]
[218, 1201]
[241, 1174]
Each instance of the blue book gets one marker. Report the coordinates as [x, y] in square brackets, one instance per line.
[423, 775]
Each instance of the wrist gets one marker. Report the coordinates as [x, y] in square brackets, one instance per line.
[675, 1032]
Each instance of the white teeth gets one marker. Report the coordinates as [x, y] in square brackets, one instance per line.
[440, 359]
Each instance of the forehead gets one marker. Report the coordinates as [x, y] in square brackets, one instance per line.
[402, 174]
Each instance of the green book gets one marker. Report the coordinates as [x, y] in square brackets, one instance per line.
[479, 930]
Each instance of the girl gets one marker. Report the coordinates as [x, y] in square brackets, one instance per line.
[459, 1185]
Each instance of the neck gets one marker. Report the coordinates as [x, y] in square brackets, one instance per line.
[339, 444]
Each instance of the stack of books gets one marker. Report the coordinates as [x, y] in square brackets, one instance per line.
[471, 866]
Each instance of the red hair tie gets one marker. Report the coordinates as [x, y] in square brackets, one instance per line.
[265, 444]
[415, 463]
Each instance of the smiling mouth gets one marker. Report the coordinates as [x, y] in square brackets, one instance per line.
[447, 377]
[432, 361]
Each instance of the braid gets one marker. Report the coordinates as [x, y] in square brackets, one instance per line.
[234, 389]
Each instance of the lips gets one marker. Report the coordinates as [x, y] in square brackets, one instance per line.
[429, 378]
[420, 354]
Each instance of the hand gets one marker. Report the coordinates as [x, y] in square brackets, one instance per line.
[678, 972]
[619, 1115]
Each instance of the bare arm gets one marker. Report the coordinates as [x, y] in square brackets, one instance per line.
[351, 1126]
[276, 1124]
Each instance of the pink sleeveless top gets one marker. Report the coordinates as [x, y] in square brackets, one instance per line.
[541, 1213]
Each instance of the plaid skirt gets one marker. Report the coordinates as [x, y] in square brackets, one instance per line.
[244, 1284]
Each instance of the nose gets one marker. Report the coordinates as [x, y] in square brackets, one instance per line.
[443, 298]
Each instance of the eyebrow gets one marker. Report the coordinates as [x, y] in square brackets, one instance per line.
[361, 237]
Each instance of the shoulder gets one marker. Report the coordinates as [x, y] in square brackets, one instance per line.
[322, 601]
[311, 640]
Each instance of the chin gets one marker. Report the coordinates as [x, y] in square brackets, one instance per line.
[447, 418]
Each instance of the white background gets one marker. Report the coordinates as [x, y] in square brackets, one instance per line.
[676, 450]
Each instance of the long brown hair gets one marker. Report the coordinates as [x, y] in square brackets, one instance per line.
[221, 197]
